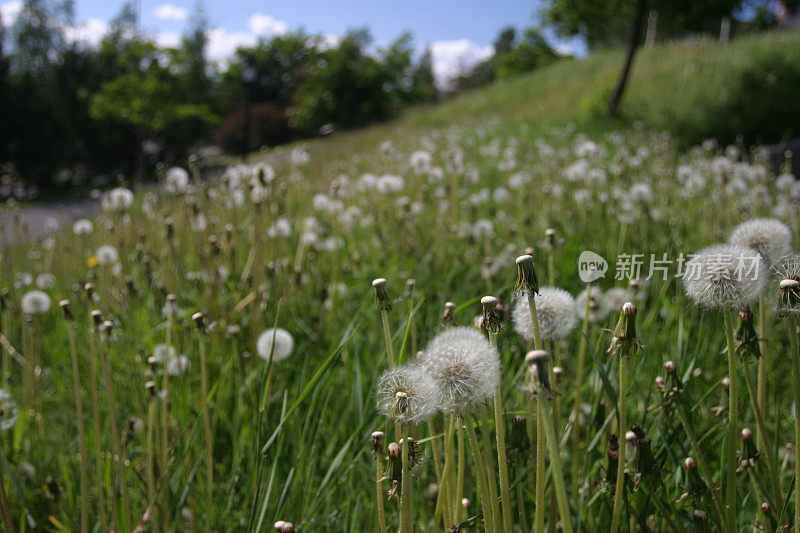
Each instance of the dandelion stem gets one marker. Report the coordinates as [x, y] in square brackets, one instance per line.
[619, 488]
[555, 465]
[406, 516]
[791, 323]
[4, 507]
[762, 367]
[207, 428]
[733, 424]
[76, 382]
[480, 474]
[766, 447]
[502, 461]
[701, 461]
[388, 338]
[151, 470]
[379, 490]
[574, 417]
[99, 485]
[461, 469]
[115, 444]
[491, 478]
[538, 526]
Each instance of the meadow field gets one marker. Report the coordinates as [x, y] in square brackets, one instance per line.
[247, 352]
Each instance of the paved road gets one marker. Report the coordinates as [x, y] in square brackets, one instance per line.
[34, 217]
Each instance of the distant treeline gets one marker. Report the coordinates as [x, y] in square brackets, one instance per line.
[72, 112]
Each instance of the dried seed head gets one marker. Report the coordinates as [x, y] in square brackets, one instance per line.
[552, 240]
[89, 288]
[410, 284]
[65, 307]
[465, 503]
[150, 387]
[699, 516]
[689, 463]
[283, 527]
[538, 373]
[199, 321]
[670, 366]
[394, 449]
[97, 317]
[448, 314]
[377, 441]
[381, 294]
[786, 277]
[766, 508]
[726, 383]
[526, 275]
[491, 320]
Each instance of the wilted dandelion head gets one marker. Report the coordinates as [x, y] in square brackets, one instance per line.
[465, 365]
[769, 237]
[8, 410]
[785, 284]
[107, 255]
[35, 303]
[408, 394]
[555, 309]
[724, 276]
[275, 342]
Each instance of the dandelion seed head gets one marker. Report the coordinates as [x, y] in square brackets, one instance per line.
[408, 394]
[275, 341]
[107, 255]
[785, 285]
[555, 309]
[82, 227]
[162, 353]
[177, 366]
[35, 303]
[724, 276]
[598, 305]
[616, 297]
[177, 180]
[465, 366]
[769, 237]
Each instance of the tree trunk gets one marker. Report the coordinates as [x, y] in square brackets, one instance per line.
[633, 45]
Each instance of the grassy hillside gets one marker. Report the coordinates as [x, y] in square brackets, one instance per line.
[448, 197]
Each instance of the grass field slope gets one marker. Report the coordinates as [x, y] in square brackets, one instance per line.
[145, 389]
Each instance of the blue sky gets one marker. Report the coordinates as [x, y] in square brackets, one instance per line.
[459, 32]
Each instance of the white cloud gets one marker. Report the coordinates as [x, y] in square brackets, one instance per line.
[261, 24]
[9, 12]
[171, 12]
[222, 45]
[90, 32]
[451, 58]
[330, 41]
[168, 39]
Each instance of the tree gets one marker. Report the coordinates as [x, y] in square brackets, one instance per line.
[615, 22]
[38, 34]
[505, 40]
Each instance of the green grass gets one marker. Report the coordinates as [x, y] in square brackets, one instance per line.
[306, 456]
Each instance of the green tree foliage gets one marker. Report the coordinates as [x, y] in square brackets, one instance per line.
[608, 23]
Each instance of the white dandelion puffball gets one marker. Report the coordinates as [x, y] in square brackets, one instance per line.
[598, 309]
[275, 341]
[8, 410]
[117, 199]
[555, 309]
[785, 285]
[724, 276]
[176, 180]
[82, 227]
[107, 255]
[177, 366]
[162, 353]
[408, 394]
[45, 281]
[616, 297]
[769, 237]
[465, 365]
[35, 303]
